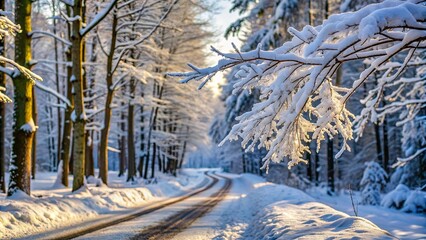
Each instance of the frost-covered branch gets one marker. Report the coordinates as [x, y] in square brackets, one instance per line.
[299, 100]
[64, 41]
[98, 18]
[54, 93]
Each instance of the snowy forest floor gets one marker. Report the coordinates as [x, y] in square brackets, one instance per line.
[256, 209]
[253, 209]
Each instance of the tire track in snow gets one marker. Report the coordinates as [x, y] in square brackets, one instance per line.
[74, 233]
[183, 219]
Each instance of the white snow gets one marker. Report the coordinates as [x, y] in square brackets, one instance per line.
[53, 207]
[256, 209]
[398, 223]
[29, 127]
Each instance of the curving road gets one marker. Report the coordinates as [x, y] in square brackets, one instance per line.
[173, 215]
[183, 219]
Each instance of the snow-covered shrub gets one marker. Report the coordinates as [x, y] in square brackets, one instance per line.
[372, 182]
[416, 202]
[396, 198]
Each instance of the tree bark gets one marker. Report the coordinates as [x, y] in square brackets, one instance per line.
[2, 117]
[243, 160]
[58, 89]
[378, 142]
[79, 134]
[131, 157]
[34, 150]
[103, 161]
[122, 143]
[385, 146]
[20, 172]
[66, 142]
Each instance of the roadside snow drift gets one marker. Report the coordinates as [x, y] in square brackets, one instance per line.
[52, 208]
[271, 211]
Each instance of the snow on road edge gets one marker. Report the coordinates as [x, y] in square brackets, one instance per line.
[54, 208]
[271, 211]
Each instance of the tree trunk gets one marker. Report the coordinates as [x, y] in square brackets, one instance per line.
[103, 161]
[154, 154]
[122, 143]
[2, 117]
[79, 134]
[66, 142]
[182, 155]
[160, 164]
[309, 168]
[131, 158]
[330, 165]
[142, 143]
[385, 146]
[20, 172]
[243, 160]
[34, 150]
[153, 119]
[58, 88]
[378, 143]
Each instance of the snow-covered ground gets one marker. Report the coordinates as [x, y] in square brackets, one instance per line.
[256, 209]
[51, 207]
[401, 224]
[253, 209]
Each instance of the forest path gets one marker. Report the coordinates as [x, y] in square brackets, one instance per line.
[183, 219]
[166, 221]
[147, 210]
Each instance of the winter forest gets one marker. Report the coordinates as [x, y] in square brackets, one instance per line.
[212, 119]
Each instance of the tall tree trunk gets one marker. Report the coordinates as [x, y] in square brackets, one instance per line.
[66, 143]
[142, 143]
[79, 134]
[153, 120]
[330, 165]
[309, 168]
[20, 172]
[378, 142]
[103, 161]
[154, 154]
[160, 164]
[2, 117]
[182, 156]
[122, 143]
[34, 150]
[243, 160]
[385, 146]
[58, 88]
[50, 139]
[131, 157]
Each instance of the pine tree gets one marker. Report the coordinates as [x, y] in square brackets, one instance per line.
[372, 182]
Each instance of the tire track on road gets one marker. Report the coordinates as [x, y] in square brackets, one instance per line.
[183, 219]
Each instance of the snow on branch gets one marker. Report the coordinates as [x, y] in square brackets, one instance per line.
[98, 18]
[20, 70]
[300, 102]
[54, 93]
[3, 97]
[8, 28]
[66, 42]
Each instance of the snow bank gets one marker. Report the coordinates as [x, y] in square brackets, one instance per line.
[57, 207]
[403, 197]
[310, 220]
[271, 211]
[399, 223]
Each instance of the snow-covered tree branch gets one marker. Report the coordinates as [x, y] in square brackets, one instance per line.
[300, 103]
